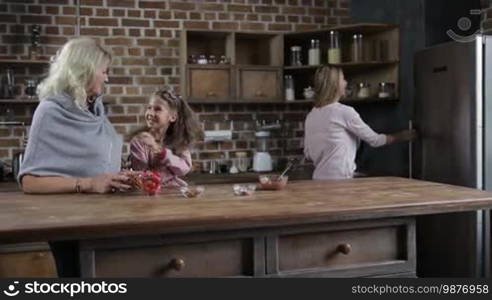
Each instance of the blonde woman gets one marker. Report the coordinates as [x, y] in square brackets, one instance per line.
[72, 146]
[333, 130]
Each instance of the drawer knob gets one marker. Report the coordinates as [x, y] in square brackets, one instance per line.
[177, 264]
[211, 94]
[344, 248]
[260, 94]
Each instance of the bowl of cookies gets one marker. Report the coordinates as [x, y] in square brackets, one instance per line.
[272, 182]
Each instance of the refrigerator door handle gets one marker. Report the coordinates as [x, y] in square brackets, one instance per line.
[410, 148]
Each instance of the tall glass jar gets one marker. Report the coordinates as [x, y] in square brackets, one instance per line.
[360, 45]
[289, 88]
[314, 53]
[354, 49]
[334, 52]
[295, 56]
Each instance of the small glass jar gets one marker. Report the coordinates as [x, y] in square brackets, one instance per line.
[386, 90]
[202, 59]
[34, 52]
[350, 91]
[192, 59]
[212, 60]
[295, 56]
[224, 60]
[308, 93]
[242, 161]
[30, 90]
[363, 90]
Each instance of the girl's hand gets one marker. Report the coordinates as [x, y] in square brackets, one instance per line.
[106, 183]
[149, 140]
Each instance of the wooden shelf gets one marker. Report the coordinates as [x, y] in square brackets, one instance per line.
[346, 65]
[11, 123]
[22, 61]
[364, 28]
[209, 66]
[302, 101]
[19, 101]
[354, 101]
[369, 100]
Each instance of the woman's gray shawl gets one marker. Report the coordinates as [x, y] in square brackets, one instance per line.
[69, 142]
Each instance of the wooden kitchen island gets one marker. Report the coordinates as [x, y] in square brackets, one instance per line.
[356, 227]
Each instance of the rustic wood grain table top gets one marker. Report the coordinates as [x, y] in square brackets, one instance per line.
[77, 216]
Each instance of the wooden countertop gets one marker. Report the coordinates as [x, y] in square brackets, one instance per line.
[77, 216]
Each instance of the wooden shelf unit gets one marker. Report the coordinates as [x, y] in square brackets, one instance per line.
[255, 67]
[268, 55]
[375, 66]
[17, 64]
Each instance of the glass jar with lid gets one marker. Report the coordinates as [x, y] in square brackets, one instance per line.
[224, 60]
[202, 59]
[212, 59]
[289, 88]
[30, 89]
[357, 49]
[242, 161]
[363, 90]
[334, 52]
[314, 53]
[386, 90]
[295, 56]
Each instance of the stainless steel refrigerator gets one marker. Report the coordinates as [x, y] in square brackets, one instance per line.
[453, 115]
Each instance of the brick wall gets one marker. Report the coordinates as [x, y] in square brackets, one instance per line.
[144, 38]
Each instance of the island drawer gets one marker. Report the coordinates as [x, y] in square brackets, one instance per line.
[215, 258]
[352, 249]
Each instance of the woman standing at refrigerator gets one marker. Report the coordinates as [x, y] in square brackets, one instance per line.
[333, 130]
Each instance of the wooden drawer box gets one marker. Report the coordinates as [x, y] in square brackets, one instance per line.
[209, 83]
[346, 250]
[172, 258]
[259, 84]
[26, 260]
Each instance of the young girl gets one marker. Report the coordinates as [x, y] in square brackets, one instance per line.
[333, 131]
[163, 145]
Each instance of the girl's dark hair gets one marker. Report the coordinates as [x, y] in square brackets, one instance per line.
[186, 130]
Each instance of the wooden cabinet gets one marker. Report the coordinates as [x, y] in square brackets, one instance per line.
[252, 72]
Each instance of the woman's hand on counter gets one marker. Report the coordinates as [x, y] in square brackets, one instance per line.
[103, 183]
